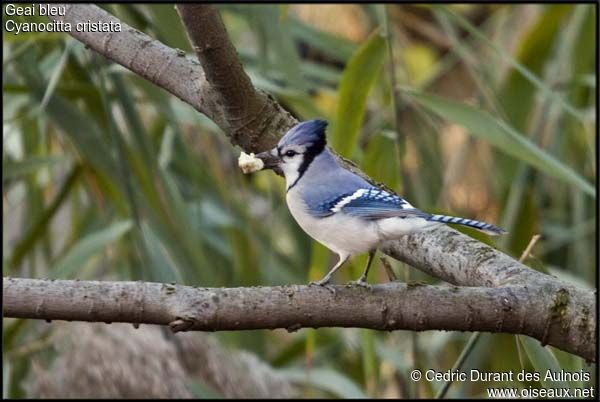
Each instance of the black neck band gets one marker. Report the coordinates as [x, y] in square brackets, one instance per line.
[309, 155]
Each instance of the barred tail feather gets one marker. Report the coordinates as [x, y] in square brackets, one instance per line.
[481, 226]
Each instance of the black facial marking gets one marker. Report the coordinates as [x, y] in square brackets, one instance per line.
[311, 152]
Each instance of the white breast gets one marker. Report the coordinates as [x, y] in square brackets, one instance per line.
[340, 233]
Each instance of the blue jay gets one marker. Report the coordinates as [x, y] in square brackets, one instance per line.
[340, 209]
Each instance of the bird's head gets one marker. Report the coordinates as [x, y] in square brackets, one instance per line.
[296, 149]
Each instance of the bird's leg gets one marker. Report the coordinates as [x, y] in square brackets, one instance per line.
[325, 280]
[362, 281]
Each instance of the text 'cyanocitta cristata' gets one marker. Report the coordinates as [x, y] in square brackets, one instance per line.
[340, 209]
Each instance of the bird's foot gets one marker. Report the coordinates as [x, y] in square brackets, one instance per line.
[362, 282]
[323, 283]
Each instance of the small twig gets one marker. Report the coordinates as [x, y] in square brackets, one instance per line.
[459, 362]
[529, 247]
[388, 269]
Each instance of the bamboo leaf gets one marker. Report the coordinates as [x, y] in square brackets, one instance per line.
[162, 266]
[14, 169]
[280, 42]
[339, 48]
[355, 83]
[381, 158]
[499, 134]
[56, 74]
[78, 127]
[40, 226]
[517, 93]
[168, 26]
[522, 69]
[543, 362]
[327, 380]
[86, 248]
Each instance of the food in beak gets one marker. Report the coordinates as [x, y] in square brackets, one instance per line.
[264, 160]
[250, 163]
[270, 159]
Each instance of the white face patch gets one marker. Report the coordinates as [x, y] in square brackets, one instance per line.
[291, 163]
[291, 168]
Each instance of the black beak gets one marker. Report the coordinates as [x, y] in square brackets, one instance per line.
[271, 160]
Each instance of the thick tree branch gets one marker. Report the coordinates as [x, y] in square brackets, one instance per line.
[391, 306]
[255, 121]
[249, 113]
[136, 51]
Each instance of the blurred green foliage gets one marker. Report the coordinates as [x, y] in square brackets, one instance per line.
[106, 176]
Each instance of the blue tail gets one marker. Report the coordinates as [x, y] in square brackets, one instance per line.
[482, 226]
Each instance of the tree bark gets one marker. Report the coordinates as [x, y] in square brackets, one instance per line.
[249, 113]
[391, 306]
[558, 313]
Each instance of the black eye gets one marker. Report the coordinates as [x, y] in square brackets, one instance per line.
[291, 153]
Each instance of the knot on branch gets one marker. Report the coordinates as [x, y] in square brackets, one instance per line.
[181, 325]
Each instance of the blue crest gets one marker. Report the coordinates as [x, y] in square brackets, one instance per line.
[307, 133]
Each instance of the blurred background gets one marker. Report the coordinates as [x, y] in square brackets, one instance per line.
[106, 176]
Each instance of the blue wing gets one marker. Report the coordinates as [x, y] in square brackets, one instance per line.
[368, 203]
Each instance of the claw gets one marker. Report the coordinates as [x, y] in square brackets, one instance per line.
[323, 283]
[360, 282]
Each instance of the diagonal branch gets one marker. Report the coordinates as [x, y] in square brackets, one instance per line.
[391, 306]
[147, 57]
[185, 78]
[248, 112]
